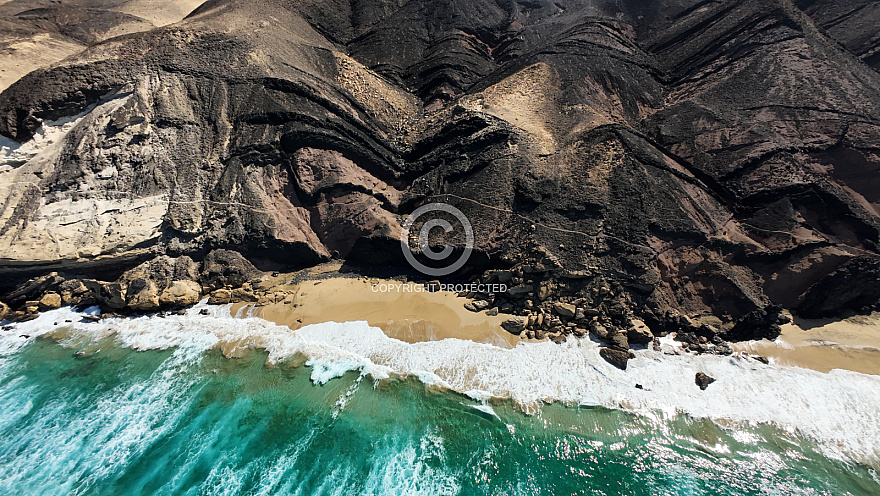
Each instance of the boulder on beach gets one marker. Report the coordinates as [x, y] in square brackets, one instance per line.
[515, 325]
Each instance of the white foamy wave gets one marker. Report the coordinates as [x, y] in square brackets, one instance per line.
[840, 409]
[404, 466]
[73, 453]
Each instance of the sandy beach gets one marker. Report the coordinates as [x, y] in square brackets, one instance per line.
[413, 316]
[402, 313]
[849, 344]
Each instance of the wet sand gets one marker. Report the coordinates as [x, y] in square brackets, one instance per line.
[823, 345]
[404, 315]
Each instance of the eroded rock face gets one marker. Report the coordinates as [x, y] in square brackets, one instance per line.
[225, 268]
[181, 294]
[37, 33]
[851, 22]
[716, 158]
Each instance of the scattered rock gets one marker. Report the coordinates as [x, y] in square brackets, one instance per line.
[469, 306]
[492, 312]
[703, 380]
[504, 276]
[600, 331]
[520, 290]
[108, 294]
[618, 358]
[142, 295]
[481, 304]
[223, 268]
[33, 289]
[620, 340]
[565, 310]
[162, 271]
[639, 333]
[242, 295]
[758, 324]
[515, 325]
[4, 310]
[76, 294]
[50, 301]
[220, 297]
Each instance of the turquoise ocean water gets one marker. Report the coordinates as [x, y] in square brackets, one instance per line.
[85, 412]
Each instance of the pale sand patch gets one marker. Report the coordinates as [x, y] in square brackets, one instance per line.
[159, 12]
[407, 316]
[823, 345]
[21, 55]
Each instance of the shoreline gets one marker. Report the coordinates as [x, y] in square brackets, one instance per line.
[822, 345]
[408, 311]
[851, 343]
[409, 316]
[529, 376]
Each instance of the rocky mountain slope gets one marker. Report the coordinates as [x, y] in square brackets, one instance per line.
[675, 160]
[35, 34]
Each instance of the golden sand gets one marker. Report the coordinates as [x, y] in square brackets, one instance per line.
[823, 345]
[405, 315]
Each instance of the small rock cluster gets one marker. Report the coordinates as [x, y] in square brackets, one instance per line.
[548, 303]
[162, 283]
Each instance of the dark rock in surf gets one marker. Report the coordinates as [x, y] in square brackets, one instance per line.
[702, 380]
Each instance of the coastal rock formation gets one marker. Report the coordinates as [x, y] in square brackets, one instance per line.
[180, 294]
[702, 380]
[681, 162]
[161, 283]
[616, 357]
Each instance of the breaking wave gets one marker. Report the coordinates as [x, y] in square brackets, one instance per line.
[840, 410]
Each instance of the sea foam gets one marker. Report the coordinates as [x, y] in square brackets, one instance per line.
[840, 409]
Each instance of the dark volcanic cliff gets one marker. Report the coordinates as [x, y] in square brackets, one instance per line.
[690, 157]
